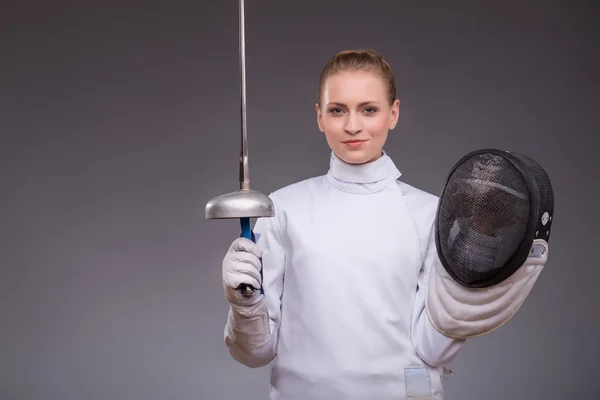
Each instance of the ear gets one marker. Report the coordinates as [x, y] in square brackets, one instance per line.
[319, 117]
[394, 114]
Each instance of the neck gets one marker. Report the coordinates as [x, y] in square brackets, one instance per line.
[369, 177]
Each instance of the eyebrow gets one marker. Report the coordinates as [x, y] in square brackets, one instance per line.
[364, 103]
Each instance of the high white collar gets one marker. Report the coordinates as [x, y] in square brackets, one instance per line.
[362, 178]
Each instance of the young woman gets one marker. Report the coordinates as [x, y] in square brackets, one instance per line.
[345, 262]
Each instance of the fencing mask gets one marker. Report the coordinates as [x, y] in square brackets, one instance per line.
[493, 206]
[491, 233]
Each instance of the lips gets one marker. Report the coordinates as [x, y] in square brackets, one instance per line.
[354, 141]
[354, 144]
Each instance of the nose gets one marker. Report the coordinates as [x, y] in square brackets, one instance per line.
[352, 125]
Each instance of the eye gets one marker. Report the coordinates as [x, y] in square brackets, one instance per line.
[370, 110]
[335, 111]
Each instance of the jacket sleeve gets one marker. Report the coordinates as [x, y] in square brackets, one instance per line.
[251, 334]
[432, 346]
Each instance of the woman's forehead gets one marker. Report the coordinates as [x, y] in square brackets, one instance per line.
[354, 87]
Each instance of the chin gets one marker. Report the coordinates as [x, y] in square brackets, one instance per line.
[356, 157]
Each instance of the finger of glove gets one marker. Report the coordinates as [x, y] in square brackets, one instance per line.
[241, 267]
[245, 245]
[235, 282]
[235, 277]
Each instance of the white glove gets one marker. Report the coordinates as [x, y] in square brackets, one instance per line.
[242, 265]
[463, 313]
[248, 328]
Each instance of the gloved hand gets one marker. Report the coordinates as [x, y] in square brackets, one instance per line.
[242, 264]
[463, 313]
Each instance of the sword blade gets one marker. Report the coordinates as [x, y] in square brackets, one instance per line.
[244, 168]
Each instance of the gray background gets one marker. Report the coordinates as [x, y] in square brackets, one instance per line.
[119, 124]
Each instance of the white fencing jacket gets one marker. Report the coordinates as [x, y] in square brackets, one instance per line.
[346, 264]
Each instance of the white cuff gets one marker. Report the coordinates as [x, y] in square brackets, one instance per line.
[460, 312]
[248, 335]
[248, 327]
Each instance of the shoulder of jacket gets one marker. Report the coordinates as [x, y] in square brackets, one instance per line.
[422, 204]
[297, 189]
[420, 195]
[293, 198]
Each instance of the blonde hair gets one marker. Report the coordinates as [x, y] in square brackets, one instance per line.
[355, 60]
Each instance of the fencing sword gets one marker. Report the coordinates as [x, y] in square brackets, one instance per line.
[244, 203]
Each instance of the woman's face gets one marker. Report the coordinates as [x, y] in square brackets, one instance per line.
[356, 115]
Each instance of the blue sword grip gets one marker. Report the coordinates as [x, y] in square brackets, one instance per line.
[246, 229]
[248, 290]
